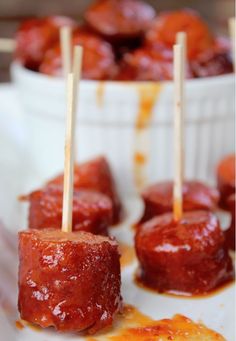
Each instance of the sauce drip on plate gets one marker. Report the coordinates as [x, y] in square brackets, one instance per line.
[127, 254]
[19, 325]
[148, 96]
[100, 93]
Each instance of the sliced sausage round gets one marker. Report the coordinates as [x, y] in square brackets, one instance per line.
[158, 198]
[69, 281]
[96, 175]
[188, 256]
[92, 211]
[35, 36]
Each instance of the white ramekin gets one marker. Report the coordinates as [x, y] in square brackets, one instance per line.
[107, 124]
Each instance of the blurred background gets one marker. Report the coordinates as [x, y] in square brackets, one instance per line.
[12, 12]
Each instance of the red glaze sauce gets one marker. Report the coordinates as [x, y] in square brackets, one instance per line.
[188, 256]
[119, 19]
[158, 198]
[92, 212]
[230, 232]
[70, 281]
[96, 175]
[98, 57]
[226, 179]
[35, 36]
[165, 27]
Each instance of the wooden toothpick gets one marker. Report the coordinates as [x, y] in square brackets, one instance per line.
[77, 65]
[232, 37]
[72, 83]
[181, 39]
[69, 157]
[178, 130]
[7, 45]
[65, 42]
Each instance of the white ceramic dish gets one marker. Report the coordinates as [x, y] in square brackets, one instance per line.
[216, 311]
[107, 117]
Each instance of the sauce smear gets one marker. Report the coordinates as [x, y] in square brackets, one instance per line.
[148, 95]
[133, 325]
[100, 94]
[127, 254]
[19, 325]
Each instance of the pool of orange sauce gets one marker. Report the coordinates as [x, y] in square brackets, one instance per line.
[20, 324]
[132, 325]
[127, 254]
[148, 96]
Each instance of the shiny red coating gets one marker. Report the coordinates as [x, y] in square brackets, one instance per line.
[188, 256]
[92, 211]
[230, 232]
[96, 175]
[158, 198]
[119, 19]
[226, 178]
[147, 64]
[166, 25]
[214, 61]
[70, 281]
[35, 36]
[98, 57]
[156, 64]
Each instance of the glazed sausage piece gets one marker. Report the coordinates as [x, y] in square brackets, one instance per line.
[70, 281]
[230, 232]
[188, 256]
[158, 198]
[96, 175]
[92, 211]
[35, 36]
[166, 25]
[119, 19]
[145, 64]
[98, 57]
[213, 62]
[226, 179]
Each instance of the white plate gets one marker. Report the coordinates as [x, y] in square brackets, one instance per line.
[216, 311]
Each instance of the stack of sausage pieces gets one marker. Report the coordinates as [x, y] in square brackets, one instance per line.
[125, 40]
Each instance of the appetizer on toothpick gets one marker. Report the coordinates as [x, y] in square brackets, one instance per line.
[58, 269]
[182, 194]
[182, 252]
